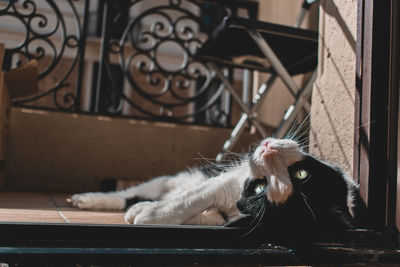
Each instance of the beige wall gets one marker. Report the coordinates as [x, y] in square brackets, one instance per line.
[332, 113]
[70, 152]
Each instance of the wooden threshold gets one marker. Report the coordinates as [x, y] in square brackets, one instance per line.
[42, 228]
[50, 208]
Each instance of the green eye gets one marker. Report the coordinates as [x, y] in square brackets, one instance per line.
[301, 174]
[259, 188]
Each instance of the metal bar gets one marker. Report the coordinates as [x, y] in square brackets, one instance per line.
[275, 62]
[228, 86]
[277, 65]
[238, 99]
[233, 137]
[294, 109]
[263, 90]
[300, 17]
[103, 53]
[237, 131]
[246, 87]
[82, 47]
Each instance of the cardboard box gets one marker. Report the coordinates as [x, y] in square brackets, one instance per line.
[18, 82]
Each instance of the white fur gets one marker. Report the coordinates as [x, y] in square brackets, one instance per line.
[351, 186]
[156, 189]
[98, 201]
[220, 193]
[192, 198]
[273, 165]
[187, 198]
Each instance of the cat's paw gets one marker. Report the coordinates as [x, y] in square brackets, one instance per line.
[158, 212]
[98, 201]
[143, 209]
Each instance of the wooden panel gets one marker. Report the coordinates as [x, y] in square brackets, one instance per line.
[377, 108]
[394, 182]
[69, 152]
[362, 129]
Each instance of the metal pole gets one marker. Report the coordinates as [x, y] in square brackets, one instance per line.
[103, 55]
[81, 65]
[290, 115]
[275, 62]
[238, 99]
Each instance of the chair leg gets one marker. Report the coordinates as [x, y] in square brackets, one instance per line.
[275, 62]
[237, 131]
[301, 100]
[302, 97]
[233, 138]
[243, 107]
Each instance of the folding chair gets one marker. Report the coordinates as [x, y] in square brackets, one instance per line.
[280, 50]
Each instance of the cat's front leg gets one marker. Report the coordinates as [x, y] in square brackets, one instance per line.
[99, 201]
[149, 213]
[221, 193]
[119, 200]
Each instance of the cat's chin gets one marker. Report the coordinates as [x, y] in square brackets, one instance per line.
[278, 191]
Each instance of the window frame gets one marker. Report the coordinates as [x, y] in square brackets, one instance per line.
[377, 108]
[375, 144]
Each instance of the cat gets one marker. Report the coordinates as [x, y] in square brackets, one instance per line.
[278, 187]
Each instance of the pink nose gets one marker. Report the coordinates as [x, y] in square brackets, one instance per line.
[266, 144]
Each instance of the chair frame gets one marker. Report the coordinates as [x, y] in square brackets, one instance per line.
[249, 114]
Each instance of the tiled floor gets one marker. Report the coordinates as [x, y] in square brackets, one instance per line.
[51, 208]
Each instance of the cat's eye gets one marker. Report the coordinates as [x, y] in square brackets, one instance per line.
[259, 188]
[301, 174]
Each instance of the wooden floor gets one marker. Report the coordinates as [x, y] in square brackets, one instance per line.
[50, 208]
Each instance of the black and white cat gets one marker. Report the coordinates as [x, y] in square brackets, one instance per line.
[277, 186]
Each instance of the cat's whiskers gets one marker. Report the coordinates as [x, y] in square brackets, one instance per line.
[255, 204]
[240, 156]
[305, 199]
[258, 217]
[209, 161]
[293, 132]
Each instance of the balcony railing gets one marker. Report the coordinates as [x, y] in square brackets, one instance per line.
[123, 58]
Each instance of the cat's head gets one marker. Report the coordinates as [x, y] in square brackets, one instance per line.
[292, 189]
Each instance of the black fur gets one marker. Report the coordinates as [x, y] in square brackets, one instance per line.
[108, 185]
[132, 201]
[317, 204]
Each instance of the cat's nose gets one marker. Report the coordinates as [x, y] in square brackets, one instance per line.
[266, 143]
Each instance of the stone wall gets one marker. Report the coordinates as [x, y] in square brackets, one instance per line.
[332, 112]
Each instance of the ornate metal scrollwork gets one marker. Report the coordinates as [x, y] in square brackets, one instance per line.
[52, 39]
[157, 55]
[148, 67]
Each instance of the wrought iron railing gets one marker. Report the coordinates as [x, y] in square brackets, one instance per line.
[39, 30]
[144, 64]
